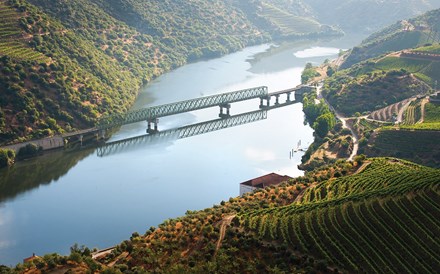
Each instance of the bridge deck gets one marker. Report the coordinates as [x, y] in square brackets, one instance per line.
[283, 91]
[80, 132]
[181, 107]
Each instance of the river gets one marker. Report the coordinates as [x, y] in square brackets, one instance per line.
[49, 203]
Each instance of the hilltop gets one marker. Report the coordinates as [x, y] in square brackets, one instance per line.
[373, 215]
[405, 34]
[362, 16]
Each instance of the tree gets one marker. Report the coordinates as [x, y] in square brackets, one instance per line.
[330, 71]
[7, 157]
[324, 123]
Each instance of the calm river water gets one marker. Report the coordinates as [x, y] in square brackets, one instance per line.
[49, 203]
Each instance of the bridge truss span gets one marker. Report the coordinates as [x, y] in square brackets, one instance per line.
[152, 113]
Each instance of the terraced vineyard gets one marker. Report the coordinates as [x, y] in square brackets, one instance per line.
[11, 41]
[431, 118]
[289, 24]
[385, 219]
[425, 70]
[412, 113]
[387, 113]
[435, 49]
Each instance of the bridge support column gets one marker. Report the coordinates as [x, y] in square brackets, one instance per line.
[150, 130]
[277, 99]
[267, 98]
[81, 137]
[227, 114]
[288, 96]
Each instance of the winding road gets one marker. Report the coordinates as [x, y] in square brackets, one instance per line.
[344, 124]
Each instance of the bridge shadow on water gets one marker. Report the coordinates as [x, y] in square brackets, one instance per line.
[152, 115]
[30, 174]
[170, 135]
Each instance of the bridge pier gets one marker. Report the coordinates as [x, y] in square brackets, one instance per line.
[150, 130]
[267, 98]
[227, 114]
[277, 99]
[288, 96]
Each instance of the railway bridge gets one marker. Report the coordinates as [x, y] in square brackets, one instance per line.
[152, 114]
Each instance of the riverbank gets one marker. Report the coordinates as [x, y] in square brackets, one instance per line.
[340, 140]
[130, 191]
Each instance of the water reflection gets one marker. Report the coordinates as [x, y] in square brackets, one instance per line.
[27, 175]
[180, 133]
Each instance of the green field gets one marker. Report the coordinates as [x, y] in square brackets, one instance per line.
[382, 220]
[289, 24]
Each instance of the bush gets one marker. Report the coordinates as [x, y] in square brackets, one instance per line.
[30, 150]
[7, 157]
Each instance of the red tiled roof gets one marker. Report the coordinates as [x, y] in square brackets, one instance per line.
[266, 180]
[30, 258]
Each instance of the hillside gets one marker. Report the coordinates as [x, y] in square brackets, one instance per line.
[404, 34]
[421, 146]
[385, 80]
[385, 100]
[64, 64]
[382, 219]
[366, 89]
[289, 24]
[379, 215]
[362, 16]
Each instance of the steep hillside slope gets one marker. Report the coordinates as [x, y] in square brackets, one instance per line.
[364, 90]
[380, 215]
[65, 63]
[404, 34]
[383, 219]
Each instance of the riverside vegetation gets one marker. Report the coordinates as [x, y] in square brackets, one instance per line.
[369, 215]
[366, 215]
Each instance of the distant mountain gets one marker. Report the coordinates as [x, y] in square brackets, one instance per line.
[363, 16]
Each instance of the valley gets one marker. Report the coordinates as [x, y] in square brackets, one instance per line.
[361, 150]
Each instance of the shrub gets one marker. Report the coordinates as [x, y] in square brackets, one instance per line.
[29, 150]
[7, 157]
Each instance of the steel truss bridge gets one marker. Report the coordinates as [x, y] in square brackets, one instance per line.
[151, 114]
[181, 132]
